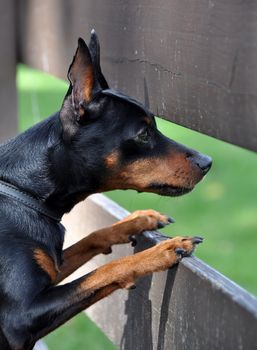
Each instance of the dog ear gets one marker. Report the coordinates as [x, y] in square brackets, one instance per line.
[81, 75]
[94, 48]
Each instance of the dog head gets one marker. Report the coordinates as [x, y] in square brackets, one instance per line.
[113, 140]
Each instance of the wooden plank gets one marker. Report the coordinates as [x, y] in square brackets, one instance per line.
[8, 96]
[189, 307]
[196, 59]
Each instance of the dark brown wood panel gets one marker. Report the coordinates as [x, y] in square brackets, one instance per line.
[196, 59]
[8, 103]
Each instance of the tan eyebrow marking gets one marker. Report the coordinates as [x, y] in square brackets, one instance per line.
[112, 159]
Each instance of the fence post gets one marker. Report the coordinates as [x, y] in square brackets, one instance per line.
[8, 96]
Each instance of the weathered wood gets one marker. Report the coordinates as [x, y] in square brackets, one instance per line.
[190, 307]
[8, 97]
[196, 59]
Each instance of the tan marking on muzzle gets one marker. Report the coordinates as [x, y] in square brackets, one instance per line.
[174, 170]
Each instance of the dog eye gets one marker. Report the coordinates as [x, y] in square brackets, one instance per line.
[143, 137]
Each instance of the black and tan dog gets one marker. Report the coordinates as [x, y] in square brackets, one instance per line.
[100, 140]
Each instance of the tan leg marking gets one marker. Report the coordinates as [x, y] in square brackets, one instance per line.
[102, 240]
[124, 272]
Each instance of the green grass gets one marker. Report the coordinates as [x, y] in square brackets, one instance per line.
[78, 334]
[222, 208]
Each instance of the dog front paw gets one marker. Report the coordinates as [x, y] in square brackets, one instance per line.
[148, 220]
[168, 253]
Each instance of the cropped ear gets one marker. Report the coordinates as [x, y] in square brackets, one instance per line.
[94, 48]
[81, 76]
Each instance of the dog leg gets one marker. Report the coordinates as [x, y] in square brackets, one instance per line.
[58, 304]
[102, 240]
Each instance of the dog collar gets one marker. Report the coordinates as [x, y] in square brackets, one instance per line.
[28, 200]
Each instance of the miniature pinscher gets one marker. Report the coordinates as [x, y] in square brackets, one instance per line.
[100, 140]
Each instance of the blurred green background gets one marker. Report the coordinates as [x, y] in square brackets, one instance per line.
[222, 208]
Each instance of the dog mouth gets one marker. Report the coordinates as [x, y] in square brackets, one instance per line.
[168, 190]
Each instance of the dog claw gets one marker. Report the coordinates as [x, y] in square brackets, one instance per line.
[180, 251]
[133, 286]
[160, 224]
[133, 241]
[197, 240]
[171, 220]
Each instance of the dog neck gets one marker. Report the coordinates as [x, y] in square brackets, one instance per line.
[29, 201]
[38, 164]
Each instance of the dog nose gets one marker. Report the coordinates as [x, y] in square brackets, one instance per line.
[203, 161]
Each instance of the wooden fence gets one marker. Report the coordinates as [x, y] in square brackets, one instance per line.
[194, 62]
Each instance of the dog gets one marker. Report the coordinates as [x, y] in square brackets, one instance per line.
[100, 140]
